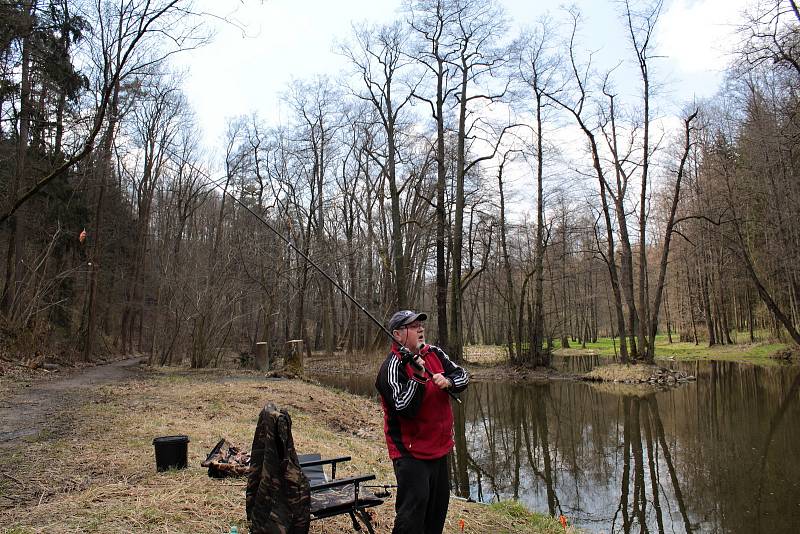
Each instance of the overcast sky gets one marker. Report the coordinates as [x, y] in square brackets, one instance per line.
[242, 72]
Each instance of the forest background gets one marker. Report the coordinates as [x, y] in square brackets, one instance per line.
[119, 234]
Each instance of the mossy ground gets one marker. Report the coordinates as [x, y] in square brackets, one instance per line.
[759, 352]
[742, 351]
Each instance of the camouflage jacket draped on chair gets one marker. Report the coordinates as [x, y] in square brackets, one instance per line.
[278, 497]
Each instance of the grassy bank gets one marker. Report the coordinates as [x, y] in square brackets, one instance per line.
[92, 469]
[678, 350]
[759, 352]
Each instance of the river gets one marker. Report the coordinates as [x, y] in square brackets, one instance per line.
[715, 455]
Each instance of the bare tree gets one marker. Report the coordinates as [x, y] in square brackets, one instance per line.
[156, 123]
[432, 21]
[315, 104]
[122, 32]
[538, 67]
[380, 62]
[476, 32]
[641, 25]
[665, 247]
[575, 104]
[771, 33]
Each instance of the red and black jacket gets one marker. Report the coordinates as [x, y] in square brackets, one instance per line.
[418, 419]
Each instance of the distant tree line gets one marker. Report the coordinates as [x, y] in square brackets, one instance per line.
[403, 180]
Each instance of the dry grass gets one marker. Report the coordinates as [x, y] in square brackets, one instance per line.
[485, 354]
[94, 469]
[617, 372]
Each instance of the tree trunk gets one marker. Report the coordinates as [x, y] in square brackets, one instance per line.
[626, 256]
[455, 338]
[509, 297]
[94, 269]
[704, 282]
[16, 232]
[749, 305]
[662, 270]
[541, 357]
[441, 217]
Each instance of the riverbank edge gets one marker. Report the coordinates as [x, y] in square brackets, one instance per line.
[503, 371]
[491, 363]
[122, 491]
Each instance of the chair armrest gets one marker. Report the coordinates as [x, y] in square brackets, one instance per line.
[343, 482]
[334, 461]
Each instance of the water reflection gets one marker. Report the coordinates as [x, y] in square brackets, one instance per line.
[712, 456]
[582, 363]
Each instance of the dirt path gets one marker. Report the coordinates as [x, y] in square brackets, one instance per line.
[45, 405]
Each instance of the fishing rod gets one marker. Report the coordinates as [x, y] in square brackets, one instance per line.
[386, 487]
[408, 356]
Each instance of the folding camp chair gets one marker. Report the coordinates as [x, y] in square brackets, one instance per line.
[286, 490]
[335, 496]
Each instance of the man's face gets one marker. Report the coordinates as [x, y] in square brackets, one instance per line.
[411, 335]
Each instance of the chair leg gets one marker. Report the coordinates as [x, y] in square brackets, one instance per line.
[364, 515]
[356, 526]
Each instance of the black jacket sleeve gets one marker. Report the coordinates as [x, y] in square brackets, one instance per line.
[457, 375]
[401, 393]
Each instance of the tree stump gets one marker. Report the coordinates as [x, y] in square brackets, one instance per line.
[294, 356]
[262, 356]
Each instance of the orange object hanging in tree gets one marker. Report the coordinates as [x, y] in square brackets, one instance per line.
[82, 236]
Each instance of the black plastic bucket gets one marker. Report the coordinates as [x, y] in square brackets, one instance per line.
[171, 452]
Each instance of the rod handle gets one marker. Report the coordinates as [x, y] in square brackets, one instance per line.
[409, 357]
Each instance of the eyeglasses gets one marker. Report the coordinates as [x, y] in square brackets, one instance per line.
[415, 326]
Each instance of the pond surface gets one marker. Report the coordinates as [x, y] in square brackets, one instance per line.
[716, 455]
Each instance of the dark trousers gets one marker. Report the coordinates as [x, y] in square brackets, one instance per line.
[423, 493]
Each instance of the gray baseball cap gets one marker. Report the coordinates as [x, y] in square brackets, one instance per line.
[403, 318]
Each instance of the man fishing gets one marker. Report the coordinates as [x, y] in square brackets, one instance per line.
[414, 382]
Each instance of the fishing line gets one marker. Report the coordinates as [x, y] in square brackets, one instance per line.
[408, 356]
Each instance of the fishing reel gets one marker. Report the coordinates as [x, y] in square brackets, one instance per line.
[382, 490]
[406, 357]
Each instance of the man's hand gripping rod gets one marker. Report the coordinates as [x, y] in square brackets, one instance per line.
[409, 357]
